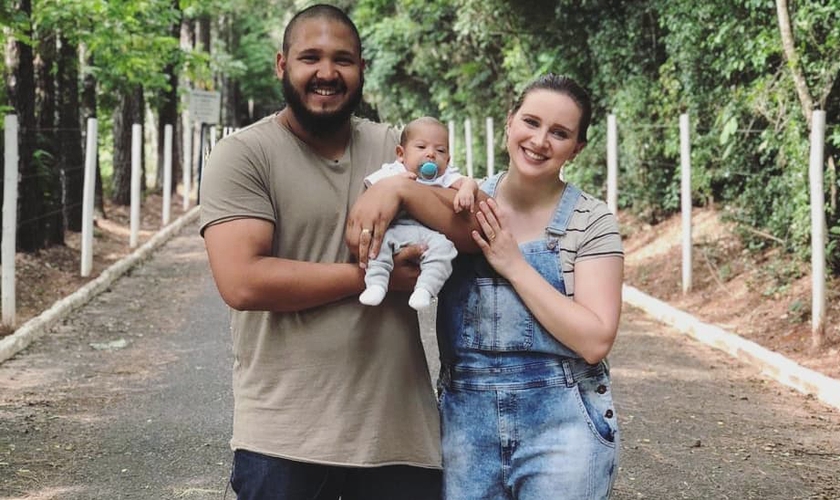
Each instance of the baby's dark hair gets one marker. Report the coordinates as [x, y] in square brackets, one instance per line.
[406, 131]
[562, 85]
[320, 11]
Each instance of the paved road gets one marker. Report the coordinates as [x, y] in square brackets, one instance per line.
[151, 419]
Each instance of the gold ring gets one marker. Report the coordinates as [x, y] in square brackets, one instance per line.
[365, 230]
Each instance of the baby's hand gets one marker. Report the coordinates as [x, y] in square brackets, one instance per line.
[464, 199]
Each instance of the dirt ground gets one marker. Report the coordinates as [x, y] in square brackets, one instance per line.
[44, 277]
[762, 297]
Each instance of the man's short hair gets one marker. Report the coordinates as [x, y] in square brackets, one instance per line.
[320, 11]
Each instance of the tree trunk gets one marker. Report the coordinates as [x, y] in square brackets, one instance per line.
[168, 114]
[832, 177]
[47, 152]
[202, 34]
[128, 112]
[21, 90]
[88, 109]
[141, 119]
[46, 158]
[71, 155]
[230, 95]
[792, 59]
[45, 89]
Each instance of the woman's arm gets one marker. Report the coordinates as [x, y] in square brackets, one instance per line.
[588, 324]
[431, 206]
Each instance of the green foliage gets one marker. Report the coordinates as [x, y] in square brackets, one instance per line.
[648, 62]
[244, 49]
[719, 61]
[798, 312]
[131, 45]
[778, 275]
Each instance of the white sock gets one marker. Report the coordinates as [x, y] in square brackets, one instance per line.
[372, 296]
[420, 299]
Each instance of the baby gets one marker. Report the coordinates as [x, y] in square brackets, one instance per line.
[423, 154]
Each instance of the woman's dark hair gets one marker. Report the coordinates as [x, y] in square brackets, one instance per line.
[562, 85]
[320, 11]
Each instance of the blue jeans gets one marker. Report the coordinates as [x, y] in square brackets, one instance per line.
[544, 430]
[261, 477]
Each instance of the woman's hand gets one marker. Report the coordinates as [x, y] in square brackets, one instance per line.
[497, 243]
[370, 217]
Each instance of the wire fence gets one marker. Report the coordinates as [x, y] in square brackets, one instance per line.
[57, 204]
[39, 197]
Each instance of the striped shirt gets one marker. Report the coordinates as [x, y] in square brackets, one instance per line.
[592, 233]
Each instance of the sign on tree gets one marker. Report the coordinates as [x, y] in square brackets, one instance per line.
[205, 106]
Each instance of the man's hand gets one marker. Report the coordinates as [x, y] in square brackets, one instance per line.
[406, 268]
[370, 217]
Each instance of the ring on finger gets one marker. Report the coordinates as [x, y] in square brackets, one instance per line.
[365, 231]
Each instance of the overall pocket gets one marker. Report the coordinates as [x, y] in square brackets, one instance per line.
[495, 318]
[596, 406]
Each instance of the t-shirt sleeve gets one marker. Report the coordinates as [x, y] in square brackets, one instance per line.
[601, 237]
[234, 185]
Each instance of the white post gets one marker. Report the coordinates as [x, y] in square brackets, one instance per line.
[212, 138]
[187, 166]
[451, 125]
[818, 228]
[136, 144]
[88, 196]
[685, 198]
[10, 198]
[491, 158]
[468, 145]
[612, 164]
[167, 172]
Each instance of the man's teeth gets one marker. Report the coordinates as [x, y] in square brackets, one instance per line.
[533, 156]
[325, 92]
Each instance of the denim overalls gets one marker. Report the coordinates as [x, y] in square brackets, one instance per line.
[522, 415]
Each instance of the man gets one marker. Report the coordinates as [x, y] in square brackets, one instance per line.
[332, 398]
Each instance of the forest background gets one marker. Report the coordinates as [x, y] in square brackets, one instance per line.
[748, 72]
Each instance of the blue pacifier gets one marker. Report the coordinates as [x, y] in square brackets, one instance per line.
[428, 171]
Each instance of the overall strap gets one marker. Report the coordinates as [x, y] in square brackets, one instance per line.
[489, 185]
[564, 211]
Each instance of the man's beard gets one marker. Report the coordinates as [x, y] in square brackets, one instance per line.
[320, 124]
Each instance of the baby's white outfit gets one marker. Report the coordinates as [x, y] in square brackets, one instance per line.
[436, 261]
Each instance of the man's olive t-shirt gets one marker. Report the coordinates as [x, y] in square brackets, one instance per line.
[343, 383]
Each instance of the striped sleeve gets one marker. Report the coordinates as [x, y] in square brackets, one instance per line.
[601, 236]
[592, 233]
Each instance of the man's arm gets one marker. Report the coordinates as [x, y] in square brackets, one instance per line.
[431, 206]
[250, 278]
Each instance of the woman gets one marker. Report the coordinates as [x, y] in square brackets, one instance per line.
[525, 325]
